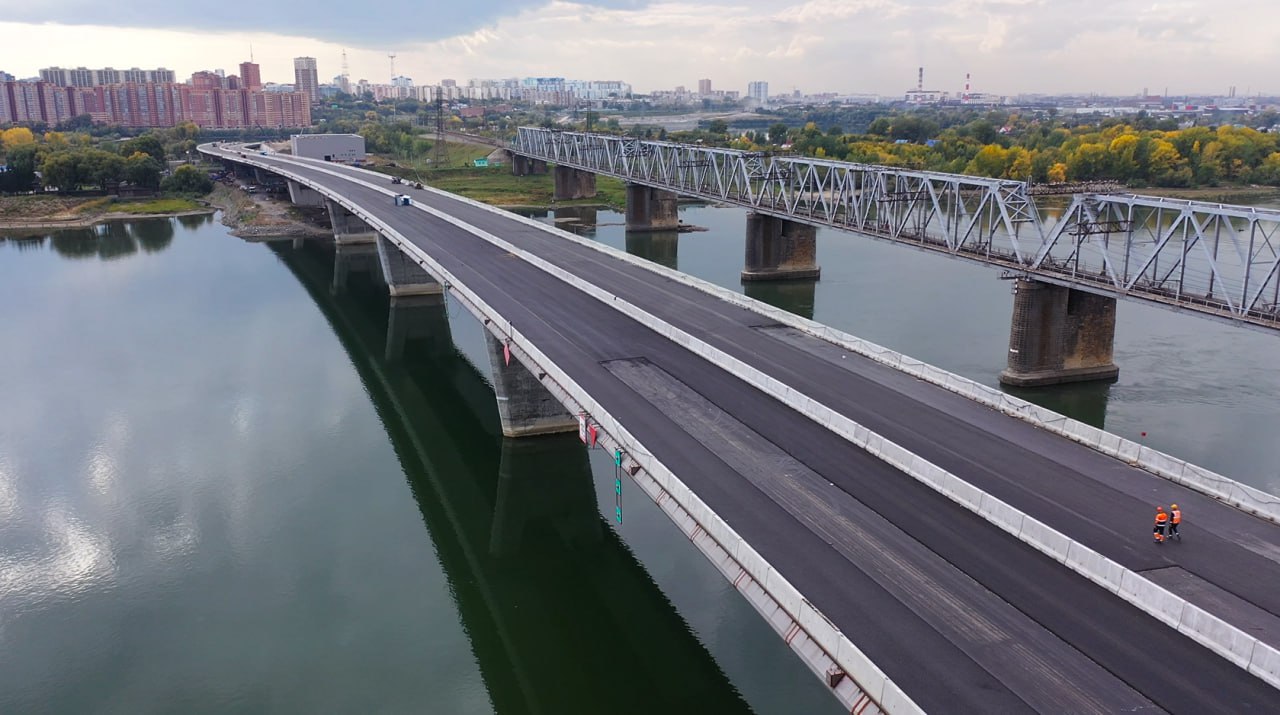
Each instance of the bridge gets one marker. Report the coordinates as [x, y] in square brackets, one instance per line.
[921, 542]
[545, 589]
[1215, 260]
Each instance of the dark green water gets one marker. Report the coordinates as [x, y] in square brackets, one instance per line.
[217, 494]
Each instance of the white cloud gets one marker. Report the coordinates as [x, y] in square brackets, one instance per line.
[835, 45]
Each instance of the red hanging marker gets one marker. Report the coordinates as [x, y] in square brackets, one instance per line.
[506, 353]
[592, 432]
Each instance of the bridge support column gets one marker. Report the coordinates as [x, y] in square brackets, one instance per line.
[304, 196]
[544, 480]
[347, 227]
[650, 209]
[418, 317]
[403, 275]
[1059, 335]
[574, 183]
[525, 406]
[348, 258]
[778, 249]
[525, 166]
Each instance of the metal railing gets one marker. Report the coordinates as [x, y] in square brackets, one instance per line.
[1218, 260]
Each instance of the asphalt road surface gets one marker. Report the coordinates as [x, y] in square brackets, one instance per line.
[964, 617]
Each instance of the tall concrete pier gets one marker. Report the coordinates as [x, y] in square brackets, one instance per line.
[574, 183]
[525, 166]
[304, 195]
[347, 227]
[1059, 335]
[525, 406]
[778, 249]
[650, 209]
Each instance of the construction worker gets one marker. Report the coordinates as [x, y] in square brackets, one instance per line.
[1175, 518]
[1162, 521]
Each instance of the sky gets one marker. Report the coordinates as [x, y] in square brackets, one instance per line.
[847, 46]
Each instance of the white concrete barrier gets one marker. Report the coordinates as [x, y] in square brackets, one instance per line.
[1206, 628]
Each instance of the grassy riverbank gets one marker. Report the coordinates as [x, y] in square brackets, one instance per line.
[51, 209]
[493, 184]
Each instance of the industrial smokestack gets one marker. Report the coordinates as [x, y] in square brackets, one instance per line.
[966, 84]
[920, 80]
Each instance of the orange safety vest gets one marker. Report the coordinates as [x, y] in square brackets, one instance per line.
[1177, 516]
[1161, 518]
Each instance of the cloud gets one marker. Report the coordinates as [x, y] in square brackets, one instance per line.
[871, 46]
[383, 24]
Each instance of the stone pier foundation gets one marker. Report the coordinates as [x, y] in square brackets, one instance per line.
[574, 183]
[650, 209]
[778, 249]
[526, 166]
[1059, 335]
[525, 406]
[420, 318]
[304, 196]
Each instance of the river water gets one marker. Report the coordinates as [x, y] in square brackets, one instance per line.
[218, 493]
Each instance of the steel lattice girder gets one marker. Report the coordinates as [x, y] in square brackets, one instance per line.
[1216, 259]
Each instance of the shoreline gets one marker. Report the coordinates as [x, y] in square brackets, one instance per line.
[55, 224]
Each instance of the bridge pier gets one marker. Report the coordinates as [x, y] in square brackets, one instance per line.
[1058, 335]
[525, 166]
[403, 275]
[304, 195]
[778, 249]
[574, 183]
[544, 481]
[797, 297]
[650, 209]
[525, 406]
[417, 317]
[347, 227]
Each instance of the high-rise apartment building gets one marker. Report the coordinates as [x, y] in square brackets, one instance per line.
[250, 75]
[85, 77]
[305, 77]
[704, 87]
[758, 91]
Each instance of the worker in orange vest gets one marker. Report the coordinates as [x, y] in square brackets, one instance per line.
[1175, 518]
[1162, 521]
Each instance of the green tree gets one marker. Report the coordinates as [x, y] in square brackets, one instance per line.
[142, 169]
[148, 144]
[718, 127]
[778, 133]
[187, 179]
[63, 170]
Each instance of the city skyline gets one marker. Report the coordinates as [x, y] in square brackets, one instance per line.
[859, 46]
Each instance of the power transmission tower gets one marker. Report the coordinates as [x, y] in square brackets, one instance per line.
[439, 151]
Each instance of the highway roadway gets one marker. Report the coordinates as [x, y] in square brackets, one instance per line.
[964, 617]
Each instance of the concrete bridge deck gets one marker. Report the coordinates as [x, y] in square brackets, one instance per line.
[961, 615]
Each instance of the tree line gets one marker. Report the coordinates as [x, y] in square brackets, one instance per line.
[71, 161]
[1138, 151]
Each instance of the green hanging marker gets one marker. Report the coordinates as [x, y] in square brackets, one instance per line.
[617, 458]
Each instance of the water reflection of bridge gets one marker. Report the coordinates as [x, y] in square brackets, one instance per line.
[561, 616]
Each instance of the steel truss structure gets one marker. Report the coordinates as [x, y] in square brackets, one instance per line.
[1214, 259]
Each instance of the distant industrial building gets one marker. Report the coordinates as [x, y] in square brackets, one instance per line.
[343, 148]
[306, 78]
